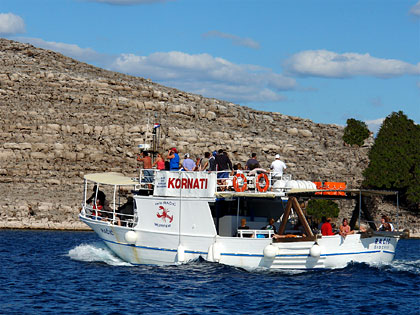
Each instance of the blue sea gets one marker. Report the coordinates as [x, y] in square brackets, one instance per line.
[74, 273]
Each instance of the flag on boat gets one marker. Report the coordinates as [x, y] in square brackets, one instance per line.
[156, 126]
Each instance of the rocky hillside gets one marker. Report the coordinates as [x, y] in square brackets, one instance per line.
[60, 118]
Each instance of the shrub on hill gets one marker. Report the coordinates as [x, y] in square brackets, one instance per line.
[395, 159]
[355, 132]
[322, 208]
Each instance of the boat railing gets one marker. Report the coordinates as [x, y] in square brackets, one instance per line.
[255, 233]
[255, 181]
[112, 216]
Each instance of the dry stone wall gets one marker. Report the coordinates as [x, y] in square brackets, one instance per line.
[60, 119]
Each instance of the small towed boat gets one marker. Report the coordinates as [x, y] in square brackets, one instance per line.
[186, 215]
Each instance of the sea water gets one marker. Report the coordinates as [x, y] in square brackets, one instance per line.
[74, 273]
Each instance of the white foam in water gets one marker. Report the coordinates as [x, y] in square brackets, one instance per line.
[412, 266]
[96, 252]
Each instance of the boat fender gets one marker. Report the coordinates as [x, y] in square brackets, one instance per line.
[181, 253]
[270, 251]
[210, 254]
[130, 237]
[217, 252]
[315, 251]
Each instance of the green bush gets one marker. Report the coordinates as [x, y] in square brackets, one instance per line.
[355, 132]
[395, 159]
[319, 208]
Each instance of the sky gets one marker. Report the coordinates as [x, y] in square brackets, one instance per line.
[324, 60]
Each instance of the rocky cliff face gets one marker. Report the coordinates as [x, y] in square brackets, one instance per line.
[60, 118]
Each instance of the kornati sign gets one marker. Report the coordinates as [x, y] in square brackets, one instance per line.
[185, 184]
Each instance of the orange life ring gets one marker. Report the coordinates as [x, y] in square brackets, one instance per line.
[236, 184]
[267, 183]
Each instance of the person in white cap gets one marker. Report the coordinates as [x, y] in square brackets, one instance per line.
[278, 166]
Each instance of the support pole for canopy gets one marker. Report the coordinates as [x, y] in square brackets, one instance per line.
[360, 206]
[237, 215]
[398, 213]
[114, 199]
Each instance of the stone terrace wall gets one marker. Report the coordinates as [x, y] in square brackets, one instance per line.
[60, 118]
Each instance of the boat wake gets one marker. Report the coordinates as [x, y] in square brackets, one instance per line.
[408, 266]
[96, 252]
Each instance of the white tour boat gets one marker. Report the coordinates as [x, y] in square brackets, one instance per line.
[182, 216]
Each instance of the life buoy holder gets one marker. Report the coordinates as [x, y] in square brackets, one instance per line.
[267, 183]
[236, 184]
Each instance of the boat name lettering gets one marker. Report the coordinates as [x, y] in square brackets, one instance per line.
[163, 225]
[188, 183]
[107, 231]
[382, 241]
[167, 203]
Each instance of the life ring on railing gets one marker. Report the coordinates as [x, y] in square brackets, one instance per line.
[267, 183]
[236, 184]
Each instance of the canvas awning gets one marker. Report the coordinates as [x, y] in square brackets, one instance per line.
[110, 179]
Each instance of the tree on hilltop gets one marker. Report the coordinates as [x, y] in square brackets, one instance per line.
[395, 158]
[356, 132]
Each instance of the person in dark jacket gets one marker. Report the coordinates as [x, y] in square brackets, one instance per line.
[223, 166]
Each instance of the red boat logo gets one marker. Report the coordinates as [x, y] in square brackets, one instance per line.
[164, 214]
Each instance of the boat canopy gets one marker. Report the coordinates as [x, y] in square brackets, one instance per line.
[110, 179]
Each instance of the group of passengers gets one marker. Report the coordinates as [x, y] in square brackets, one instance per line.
[102, 210]
[216, 161]
[345, 229]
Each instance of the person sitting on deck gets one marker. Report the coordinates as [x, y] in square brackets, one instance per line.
[345, 228]
[326, 228]
[243, 226]
[270, 226]
[100, 196]
[386, 224]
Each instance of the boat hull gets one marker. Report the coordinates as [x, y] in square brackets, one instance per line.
[151, 247]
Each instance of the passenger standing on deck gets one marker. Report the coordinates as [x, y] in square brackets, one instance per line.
[278, 166]
[173, 159]
[205, 163]
[224, 166]
[212, 162]
[252, 162]
[188, 164]
[147, 168]
[159, 163]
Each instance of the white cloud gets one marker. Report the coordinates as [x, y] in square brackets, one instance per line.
[200, 73]
[11, 24]
[375, 124]
[127, 2]
[323, 63]
[236, 40]
[415, 10]
[207, 75]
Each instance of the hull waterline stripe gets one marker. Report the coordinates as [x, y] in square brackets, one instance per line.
[155, 248]
[388, 252]
[243, 255]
